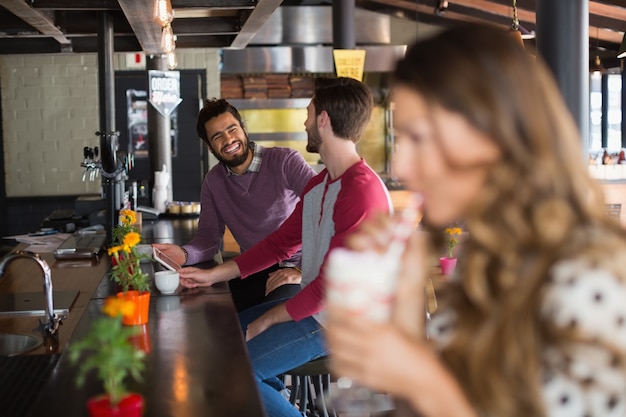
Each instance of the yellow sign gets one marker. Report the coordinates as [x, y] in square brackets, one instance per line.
[349, 63]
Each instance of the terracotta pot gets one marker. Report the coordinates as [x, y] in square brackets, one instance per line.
[130, 406]
[142, 307]
[447, 265]
[141, 341]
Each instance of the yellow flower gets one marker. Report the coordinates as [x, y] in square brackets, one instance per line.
[128, 217]
[131, 240]
[114, 307]
[126, 269]
[451, 232]
[113, 250]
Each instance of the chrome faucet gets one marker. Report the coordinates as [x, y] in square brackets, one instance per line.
[53, 320]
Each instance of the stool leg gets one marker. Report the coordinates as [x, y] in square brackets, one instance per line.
[313, 390]
[304, 394]
[322, 386]
[295, 386]
[320, 407]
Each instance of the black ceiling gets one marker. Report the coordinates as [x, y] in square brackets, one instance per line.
[54, 26]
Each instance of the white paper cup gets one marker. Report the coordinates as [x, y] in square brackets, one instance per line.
[363, 282]
[166, 281]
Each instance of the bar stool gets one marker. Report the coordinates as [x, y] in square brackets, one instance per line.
[309, 383]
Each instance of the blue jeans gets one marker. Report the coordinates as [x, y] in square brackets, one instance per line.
[278, 349]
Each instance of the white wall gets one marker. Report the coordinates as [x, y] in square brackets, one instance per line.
[50, 112]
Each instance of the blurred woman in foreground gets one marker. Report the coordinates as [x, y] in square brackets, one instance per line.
[534, 322]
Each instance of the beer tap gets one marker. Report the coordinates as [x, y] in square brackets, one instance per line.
[91, 163]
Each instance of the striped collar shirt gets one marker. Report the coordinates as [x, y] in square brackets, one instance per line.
[255, 164]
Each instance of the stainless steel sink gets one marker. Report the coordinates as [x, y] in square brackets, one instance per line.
[14, 344]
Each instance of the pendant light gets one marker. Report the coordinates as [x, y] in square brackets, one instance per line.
[163, 12]
[514, 31]
[168, 40]
[172, 62]
[597, 69]
[622, 48]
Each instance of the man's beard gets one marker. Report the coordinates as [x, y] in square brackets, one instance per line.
[237, 160]
[314, 140]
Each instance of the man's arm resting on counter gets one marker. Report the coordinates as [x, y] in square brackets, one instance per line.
[191, 277]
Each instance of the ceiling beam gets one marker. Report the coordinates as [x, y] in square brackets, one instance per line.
[205, 26]
[215, 4]
[618, 3]
[528, 16]
[75, 4]
[613, 9]
[257, 18]
[113, 4]
[39, 21]
[428, 10]
[148, 31]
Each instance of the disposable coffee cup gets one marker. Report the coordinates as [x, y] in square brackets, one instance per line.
[166, 281]
[363, 282]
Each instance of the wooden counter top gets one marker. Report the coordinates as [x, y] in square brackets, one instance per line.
[197, 364]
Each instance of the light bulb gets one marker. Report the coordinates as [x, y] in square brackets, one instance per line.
[163, 12]
[168, 40]
[171, 60]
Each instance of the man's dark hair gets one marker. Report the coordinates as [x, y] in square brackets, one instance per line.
[348, 103]
[213, 108]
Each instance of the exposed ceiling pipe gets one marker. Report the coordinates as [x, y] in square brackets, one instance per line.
[343, 24]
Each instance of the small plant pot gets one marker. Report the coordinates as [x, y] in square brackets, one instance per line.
[142, 307]
[130, 406]
[448, 265]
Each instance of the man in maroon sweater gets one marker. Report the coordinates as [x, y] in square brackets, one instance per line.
[252, 190]
[283, 335]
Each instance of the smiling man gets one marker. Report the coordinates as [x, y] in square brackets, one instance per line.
[252, 190]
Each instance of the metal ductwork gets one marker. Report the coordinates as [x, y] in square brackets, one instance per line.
[304, 34]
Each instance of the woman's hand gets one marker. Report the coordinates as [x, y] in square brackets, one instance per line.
[281, 277]
[375, 354]
[172, 251]
[384, 358]
[192, 277]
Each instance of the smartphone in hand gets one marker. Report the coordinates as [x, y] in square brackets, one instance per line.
[165, 260]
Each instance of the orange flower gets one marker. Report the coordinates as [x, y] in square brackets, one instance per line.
[114, 307]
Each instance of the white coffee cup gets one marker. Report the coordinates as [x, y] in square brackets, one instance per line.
[166, 281]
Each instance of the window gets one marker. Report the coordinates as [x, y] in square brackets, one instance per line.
[605, 112]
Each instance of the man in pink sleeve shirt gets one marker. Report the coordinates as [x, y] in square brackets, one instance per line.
[283, 335]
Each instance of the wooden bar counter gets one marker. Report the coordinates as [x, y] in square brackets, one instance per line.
[197, 363]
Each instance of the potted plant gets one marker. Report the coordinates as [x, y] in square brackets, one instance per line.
[126, 271]
[114, 357]
[448, 263]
